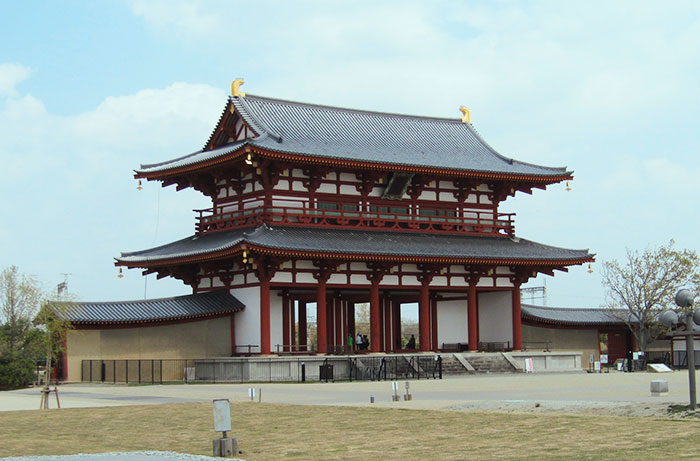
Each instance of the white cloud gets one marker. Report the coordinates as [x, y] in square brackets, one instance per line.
[75, 205]
[11, 75]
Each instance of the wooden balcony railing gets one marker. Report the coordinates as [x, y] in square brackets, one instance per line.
[475, 222]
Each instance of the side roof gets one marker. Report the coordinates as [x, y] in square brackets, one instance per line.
[573, 317]
[179, 308]
[326, 132]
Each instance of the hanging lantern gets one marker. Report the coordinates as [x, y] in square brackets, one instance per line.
[568, 186]
[120, 275]
[590, 268]
[139, 186]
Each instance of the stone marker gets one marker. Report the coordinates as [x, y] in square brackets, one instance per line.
[659, 387]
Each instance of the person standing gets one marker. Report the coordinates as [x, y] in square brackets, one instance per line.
[349, 344]
[358, 342]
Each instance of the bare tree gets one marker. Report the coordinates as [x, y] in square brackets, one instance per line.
[644, 285]
[20, 298]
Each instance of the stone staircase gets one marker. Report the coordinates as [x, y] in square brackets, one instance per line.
[451, 366]
[490, 363]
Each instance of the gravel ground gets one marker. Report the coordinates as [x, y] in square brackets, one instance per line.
[126, 456]
[585, 407]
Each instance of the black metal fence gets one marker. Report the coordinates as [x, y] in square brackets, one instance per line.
[291, 369]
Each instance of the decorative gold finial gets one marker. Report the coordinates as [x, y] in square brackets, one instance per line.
[590, 268]
[467, 118]
[568, 186]
[236, 88]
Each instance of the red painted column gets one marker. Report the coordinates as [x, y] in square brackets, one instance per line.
[233, 336]
[374, 316]
[396, 315]
[517, 319]
[265, 316]
[472, 318]
[293, 329]
[285, 323]
[424, 316]
[338, 322]
[434, 325]
[388, 338]
[321, 320]
[303, 328]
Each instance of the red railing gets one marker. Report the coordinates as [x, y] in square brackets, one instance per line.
[473, 222]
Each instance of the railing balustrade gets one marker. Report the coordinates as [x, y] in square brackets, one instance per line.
[437, 220]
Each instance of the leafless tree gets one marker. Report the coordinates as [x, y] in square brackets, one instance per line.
[644, 285]
[20, 298]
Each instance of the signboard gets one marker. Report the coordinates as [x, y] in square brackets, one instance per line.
[222, 415]
[603, 358]
[394, 386]
[596, 366]
[635, 355]
[659, 368]
[529, 366]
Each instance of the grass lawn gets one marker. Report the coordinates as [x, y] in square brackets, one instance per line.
[273, 432]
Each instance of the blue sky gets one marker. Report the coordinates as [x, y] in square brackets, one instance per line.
[89, 90]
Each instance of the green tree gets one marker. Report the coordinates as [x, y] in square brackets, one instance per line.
[644, 285]
[20, 342]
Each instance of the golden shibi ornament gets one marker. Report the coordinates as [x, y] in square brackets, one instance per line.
[139, 186]
[568, 186]
[120, 275]
[590, 268]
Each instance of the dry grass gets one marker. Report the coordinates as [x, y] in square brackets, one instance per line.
[272, 432]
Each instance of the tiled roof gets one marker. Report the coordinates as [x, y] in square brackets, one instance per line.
[363, 243]
[204, 305]
[357, 135]
[573, 317]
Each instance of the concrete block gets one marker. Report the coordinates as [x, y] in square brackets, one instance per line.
[659, 387]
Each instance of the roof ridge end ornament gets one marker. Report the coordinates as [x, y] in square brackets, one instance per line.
[236, 88]
[466, 114]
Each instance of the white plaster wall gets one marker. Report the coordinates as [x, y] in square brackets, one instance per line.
[410, 280]
[439, 281]
[247, 322]
[458, 282]
[447, 197]
[358, 279]
[338, 278]
[275, 320]
[452, 322]
[326, 188]
[485, 282]
[305, 278]
[390, 280]
[284, 277]
[503, 282]
[303, 264]
[495, 316]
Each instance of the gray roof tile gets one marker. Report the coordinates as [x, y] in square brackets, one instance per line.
[374, 137]
[361, 243]
[573, 317]
[201, 305]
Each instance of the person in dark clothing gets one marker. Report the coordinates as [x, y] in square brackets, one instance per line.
[411, 343]
[365, 342]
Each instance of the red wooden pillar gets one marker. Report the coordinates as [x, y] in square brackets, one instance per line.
[303, 330]
[388, 338]
[338, 322]
[374, 316]
[285, 323]
[424, 316]
[321, 320]
[434, 325]
[265, 315]
[517, 319]
[351, 316]
[293, 326]
[64, 358]
[233, 336]
[472, 318]
[396, 317]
